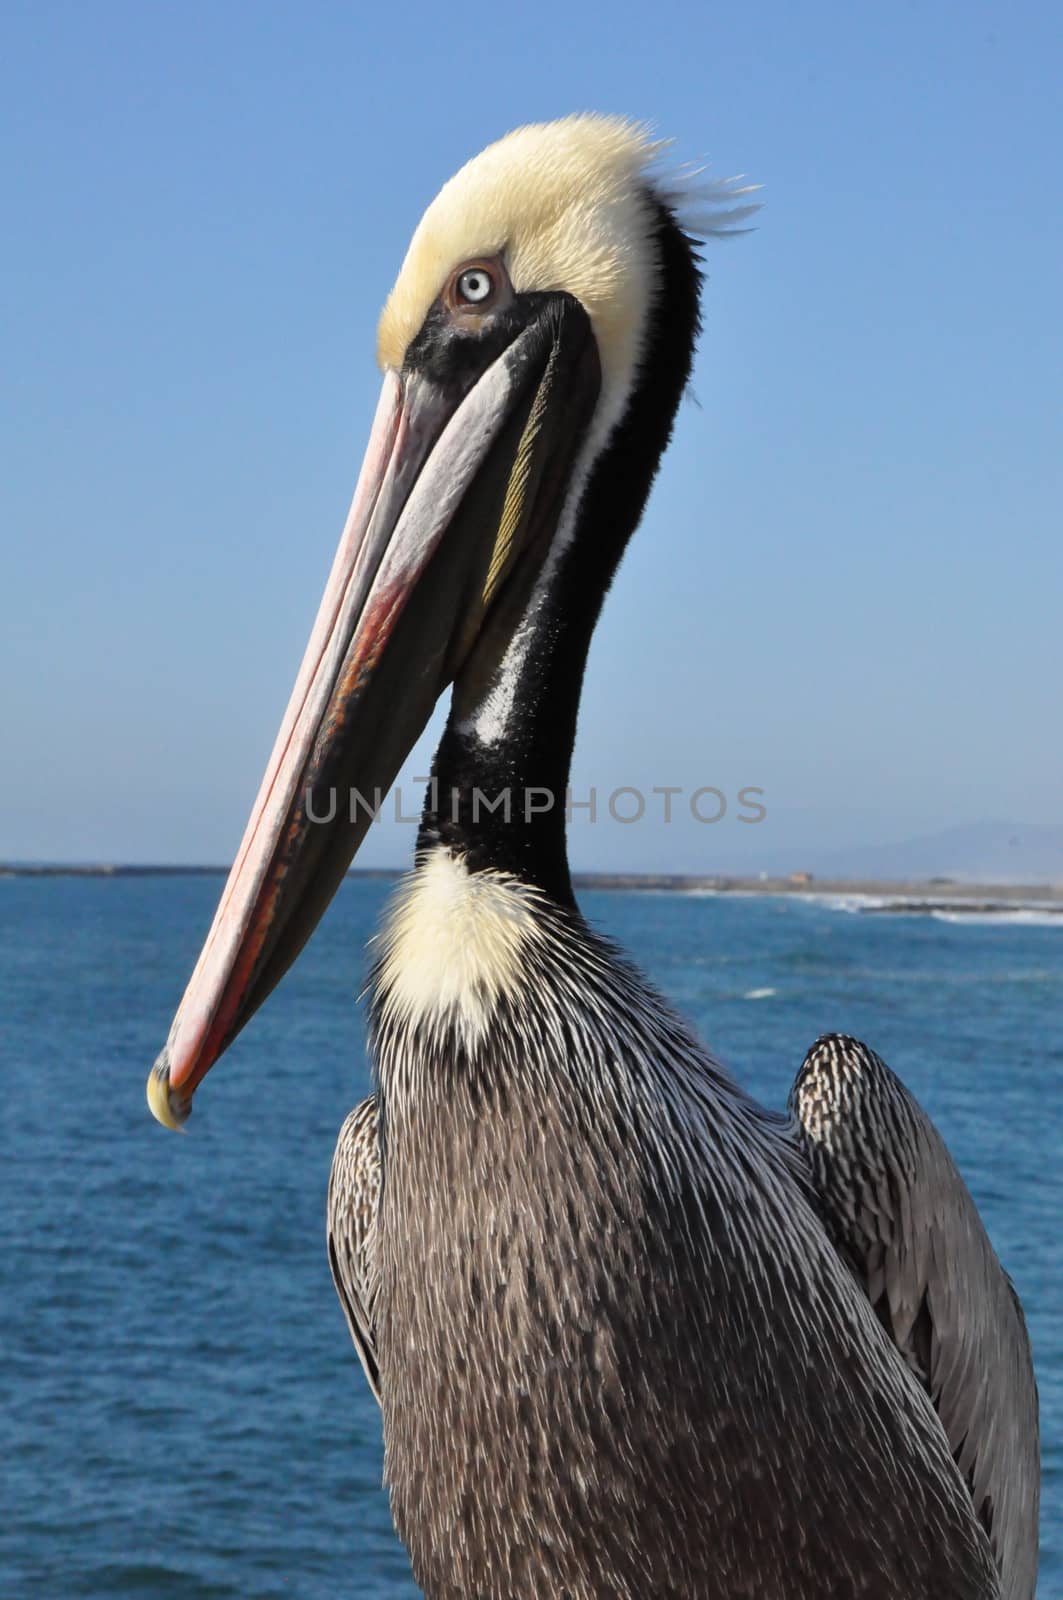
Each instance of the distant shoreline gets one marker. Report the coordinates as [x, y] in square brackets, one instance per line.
[870, 895]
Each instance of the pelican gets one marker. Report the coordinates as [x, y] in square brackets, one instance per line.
[632, 1335]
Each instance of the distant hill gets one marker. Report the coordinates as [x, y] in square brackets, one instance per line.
[975, 852]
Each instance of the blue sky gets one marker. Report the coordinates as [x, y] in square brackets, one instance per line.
[847, 589]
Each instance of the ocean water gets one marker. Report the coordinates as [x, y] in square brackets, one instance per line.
[183, 1415]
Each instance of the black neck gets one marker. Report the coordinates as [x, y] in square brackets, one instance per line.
[532, 762]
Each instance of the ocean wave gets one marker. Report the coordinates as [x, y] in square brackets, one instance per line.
[1022, 917]
[982, 913]
[855, 902]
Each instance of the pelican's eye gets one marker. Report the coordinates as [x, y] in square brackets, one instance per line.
[475, 285]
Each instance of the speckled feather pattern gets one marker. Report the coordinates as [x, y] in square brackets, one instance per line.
[618, 1353]
[898, 1209]
[353, 1197]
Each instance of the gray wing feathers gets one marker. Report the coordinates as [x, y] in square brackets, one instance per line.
[897, 1207]
[353, 1195]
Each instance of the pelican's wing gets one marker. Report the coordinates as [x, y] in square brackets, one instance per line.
[353, 1193]
[898, 1209]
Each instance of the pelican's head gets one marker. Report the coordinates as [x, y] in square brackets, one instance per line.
[513, 345]
[558, 208]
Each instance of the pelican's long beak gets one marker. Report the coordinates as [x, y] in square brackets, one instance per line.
[463, 481]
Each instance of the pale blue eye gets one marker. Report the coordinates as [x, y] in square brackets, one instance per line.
[475, 285]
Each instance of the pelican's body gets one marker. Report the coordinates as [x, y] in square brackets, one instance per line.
[632, 1335]
[611, 1296]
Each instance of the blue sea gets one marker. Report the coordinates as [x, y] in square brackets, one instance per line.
[183, 1415]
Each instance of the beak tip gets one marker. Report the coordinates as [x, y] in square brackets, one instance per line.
[165, 1106]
